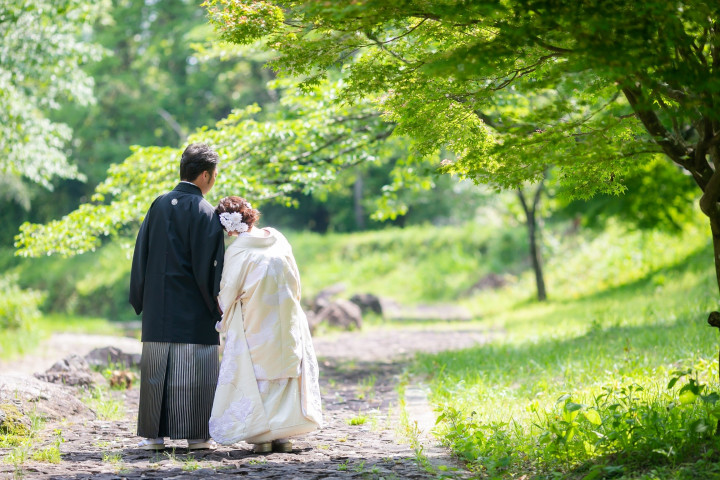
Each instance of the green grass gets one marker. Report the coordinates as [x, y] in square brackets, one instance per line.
[17, 342]
[101, 401]
[366, 388]
[22, 442]
[358, 419]
[50, 453]
[419, 264]
[578, 386]
[112, 457]
[190, 464]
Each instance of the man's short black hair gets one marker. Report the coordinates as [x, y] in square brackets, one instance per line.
[196, 159]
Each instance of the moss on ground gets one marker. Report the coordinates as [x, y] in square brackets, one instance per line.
[13, 422]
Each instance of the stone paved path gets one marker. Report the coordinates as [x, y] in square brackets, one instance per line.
[359, 377]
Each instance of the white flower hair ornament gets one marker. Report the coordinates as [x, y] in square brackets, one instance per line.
[233, 222]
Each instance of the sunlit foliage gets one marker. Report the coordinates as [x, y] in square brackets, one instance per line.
[40, 55]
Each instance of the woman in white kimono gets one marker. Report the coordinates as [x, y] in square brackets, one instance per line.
[268, 384]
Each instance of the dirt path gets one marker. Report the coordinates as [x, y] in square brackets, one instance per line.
[60, 345]
[359, 377]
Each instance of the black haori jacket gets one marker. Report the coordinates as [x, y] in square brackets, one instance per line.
[176, 269]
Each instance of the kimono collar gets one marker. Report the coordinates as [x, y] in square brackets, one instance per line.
[248, 241]
[187, 187]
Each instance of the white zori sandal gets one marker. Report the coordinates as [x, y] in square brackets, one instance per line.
[152, 444]
[202, 444]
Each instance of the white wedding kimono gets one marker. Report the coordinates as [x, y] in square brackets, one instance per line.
[268, 384]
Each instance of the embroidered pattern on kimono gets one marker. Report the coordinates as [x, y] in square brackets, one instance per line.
[269, 372]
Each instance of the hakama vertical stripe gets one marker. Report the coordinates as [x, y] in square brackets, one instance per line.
[177, 387]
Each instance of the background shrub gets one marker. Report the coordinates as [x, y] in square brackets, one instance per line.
[18, 308]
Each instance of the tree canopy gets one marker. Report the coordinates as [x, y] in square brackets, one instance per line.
[40, 56]
[591, 87]
[501, 91]
[159, 83]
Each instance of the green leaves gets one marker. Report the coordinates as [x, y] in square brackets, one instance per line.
[513, 88]
[154, 168]
[304, 144]
[692, 390]
[243, 22]
[500, 92]
[592, 416]
[40, 59]
[623, 420]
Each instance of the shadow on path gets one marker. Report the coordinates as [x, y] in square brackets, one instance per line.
[359, 440]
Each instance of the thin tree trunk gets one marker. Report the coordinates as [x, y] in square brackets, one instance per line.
[170, 120]
[358, 200]
[532, 230]
[536, 258]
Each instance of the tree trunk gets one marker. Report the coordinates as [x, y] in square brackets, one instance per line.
[714, 317]
[715, 229]
[701, 160]
[709, 206]
[536, 258]
[357, 203]
[533, 230]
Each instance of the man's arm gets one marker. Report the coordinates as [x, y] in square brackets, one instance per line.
[139, 265]
[208, 252]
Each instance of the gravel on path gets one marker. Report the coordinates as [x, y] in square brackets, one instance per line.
[362, 436]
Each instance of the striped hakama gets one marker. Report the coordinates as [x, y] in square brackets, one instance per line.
[177, 387]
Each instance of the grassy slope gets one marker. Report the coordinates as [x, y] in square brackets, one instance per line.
[627, 309]
[419, 264]
[93, 284]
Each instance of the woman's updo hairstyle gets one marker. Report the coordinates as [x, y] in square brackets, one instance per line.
[239, 205]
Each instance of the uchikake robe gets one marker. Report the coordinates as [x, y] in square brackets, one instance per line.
[268, 383]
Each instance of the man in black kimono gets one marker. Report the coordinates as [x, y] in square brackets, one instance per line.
[174, 282]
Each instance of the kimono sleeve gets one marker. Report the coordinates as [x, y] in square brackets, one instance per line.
[229, 293]
[296, 275]
[139, 264]
[230, 310]
[207, 253]
[228, 289]
[290, 258]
